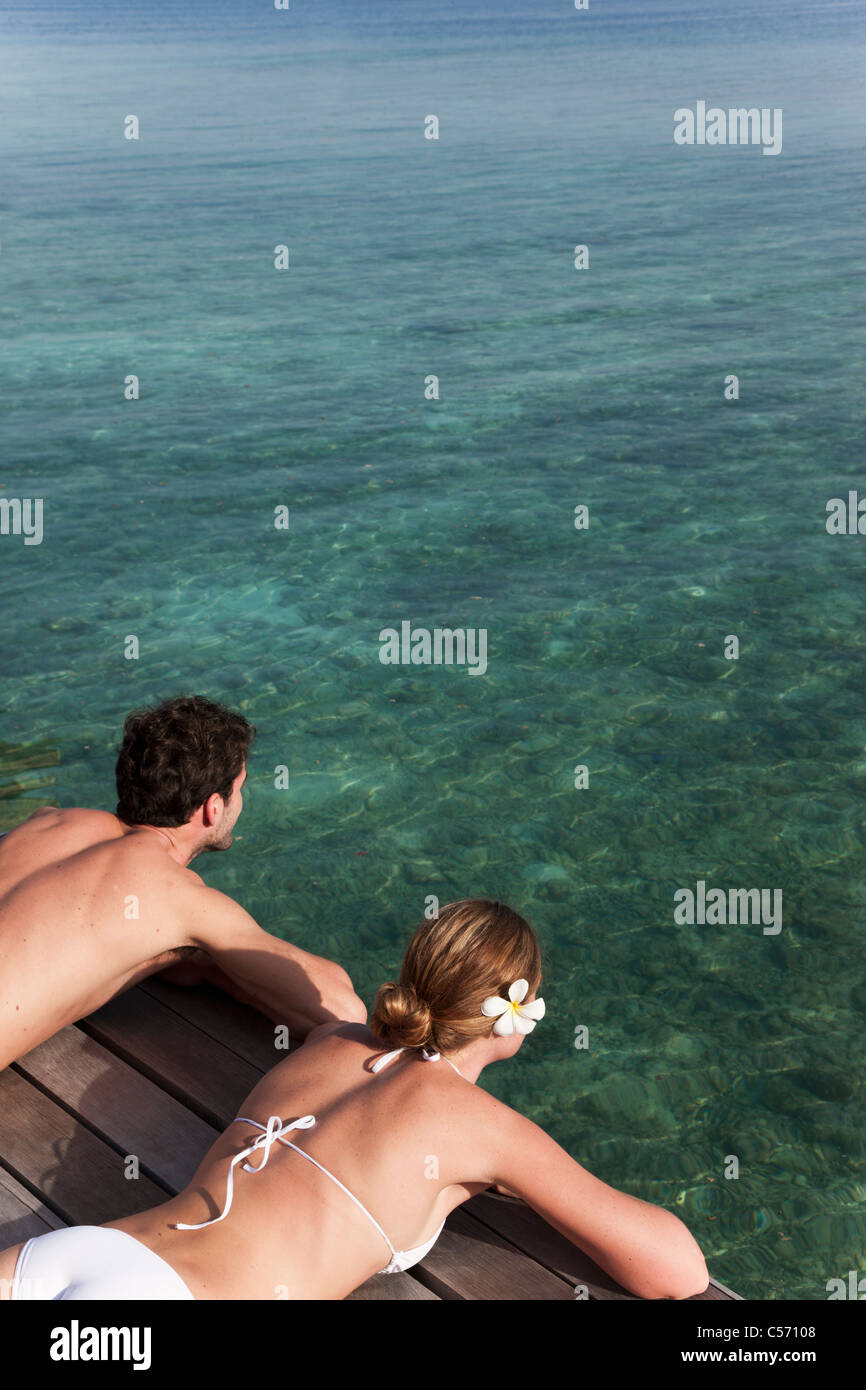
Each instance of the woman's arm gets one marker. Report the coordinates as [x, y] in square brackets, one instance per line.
[645, 1248]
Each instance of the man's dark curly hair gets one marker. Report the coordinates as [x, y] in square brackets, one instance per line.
[174, 757]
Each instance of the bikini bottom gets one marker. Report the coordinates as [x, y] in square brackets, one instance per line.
[81, 1262]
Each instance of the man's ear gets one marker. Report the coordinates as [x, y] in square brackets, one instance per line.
[211, 809]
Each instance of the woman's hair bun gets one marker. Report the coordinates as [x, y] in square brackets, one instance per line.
[399, 1016]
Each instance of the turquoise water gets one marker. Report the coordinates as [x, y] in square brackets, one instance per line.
[605, 646]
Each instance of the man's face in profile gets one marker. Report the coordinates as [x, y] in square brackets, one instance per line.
[231, 810]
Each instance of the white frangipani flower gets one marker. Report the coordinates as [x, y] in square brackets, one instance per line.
[511, 1014]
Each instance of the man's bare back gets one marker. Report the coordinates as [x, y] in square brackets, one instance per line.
[89, 905]
[86, 907]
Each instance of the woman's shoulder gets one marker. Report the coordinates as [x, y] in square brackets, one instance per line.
[363, 1040]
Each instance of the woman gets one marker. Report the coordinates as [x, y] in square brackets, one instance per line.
[380, 1143]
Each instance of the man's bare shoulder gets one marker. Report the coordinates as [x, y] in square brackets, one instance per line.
[78, 818]
[213, 911]
[52, 833]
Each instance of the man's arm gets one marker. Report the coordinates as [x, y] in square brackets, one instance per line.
[286, 984]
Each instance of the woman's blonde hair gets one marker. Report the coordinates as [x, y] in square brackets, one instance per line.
[472, 950]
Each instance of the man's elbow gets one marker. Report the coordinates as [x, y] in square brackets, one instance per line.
[353, 1009]
[342, 1001]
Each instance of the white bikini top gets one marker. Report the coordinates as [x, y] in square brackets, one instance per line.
[275, 1130]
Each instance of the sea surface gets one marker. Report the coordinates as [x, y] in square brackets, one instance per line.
[454, 258]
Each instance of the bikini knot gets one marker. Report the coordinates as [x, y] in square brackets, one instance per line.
[274, 1130]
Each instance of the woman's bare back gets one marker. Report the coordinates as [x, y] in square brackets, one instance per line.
[409, 1142]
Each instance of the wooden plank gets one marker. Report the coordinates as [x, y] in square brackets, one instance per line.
[470, 1261]
[241, 1029]
[401, 1288]
[125, 1109]
[516, 1221]
[18, 1222]
[21, 1214]
[14, 1189]
[177, 1056]
[50, 1151]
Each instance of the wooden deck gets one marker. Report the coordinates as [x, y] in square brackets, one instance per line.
[160, 1071]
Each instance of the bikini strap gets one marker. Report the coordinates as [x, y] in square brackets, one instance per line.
[272, 1131]
[425, 1056]
[389, 1057]
[345, 1189]
[437, 1057]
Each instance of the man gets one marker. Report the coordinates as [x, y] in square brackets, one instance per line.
[91, 902]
